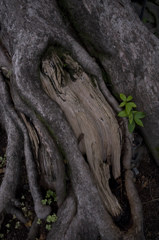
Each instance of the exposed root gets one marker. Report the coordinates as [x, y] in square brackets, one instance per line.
[65, 216]
[49, 160]
[17, 213]
[136, 207]
[42, 211]
[14, 151]
[34, 230]
[16, 130]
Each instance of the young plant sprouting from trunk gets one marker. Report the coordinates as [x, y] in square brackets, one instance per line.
[134, 116]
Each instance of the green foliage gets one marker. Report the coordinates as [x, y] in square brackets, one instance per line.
[8, 225]
[48, 227]
[133, 116]
[17, 225]
[50, 195]
[2, 160]
[44, 201]
[51, 218]
[39, 221]
[49, 198]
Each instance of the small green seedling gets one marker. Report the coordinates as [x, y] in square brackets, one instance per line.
[133, 116]
[24, 209]
[17, 225]
[49, 201]
[50, 219]
[48, 198]
[52, 194]
[30, 213]
[48, 227]
[39, 221]
[44, 201]
[8, 225]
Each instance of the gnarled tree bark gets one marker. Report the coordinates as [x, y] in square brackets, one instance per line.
[59, 114]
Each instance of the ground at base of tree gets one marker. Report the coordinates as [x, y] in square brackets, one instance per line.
[148, 189]
[146, 183]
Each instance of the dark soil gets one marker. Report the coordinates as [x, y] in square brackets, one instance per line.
[146, 182]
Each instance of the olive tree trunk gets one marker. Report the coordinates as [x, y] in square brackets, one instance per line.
[56, 61]
[127, 52]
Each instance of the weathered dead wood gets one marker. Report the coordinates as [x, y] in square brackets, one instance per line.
[91, 118]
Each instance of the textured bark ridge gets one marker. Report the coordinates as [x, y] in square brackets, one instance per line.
[128, 53]
[60, 116]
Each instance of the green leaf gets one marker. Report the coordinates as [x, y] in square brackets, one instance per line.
[122, 104]
[54, 218]
[128, 108]
[49, 201]
[129, 98]
[133, 105]
[134, 112]
[44, 201]
[139, 114]
[130, 117]
[8, 225]
[49, 194]
[49, 219]
[138, 121]
[55, 199]
[39, 221]
[131, 126]
[17, 225]
[122, 114]
[48, 227]
[123, 97]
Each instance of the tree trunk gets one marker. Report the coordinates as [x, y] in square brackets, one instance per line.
[127, 52]
[56, 62]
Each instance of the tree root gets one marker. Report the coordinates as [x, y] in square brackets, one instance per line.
[15, 151]
[34, 230]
